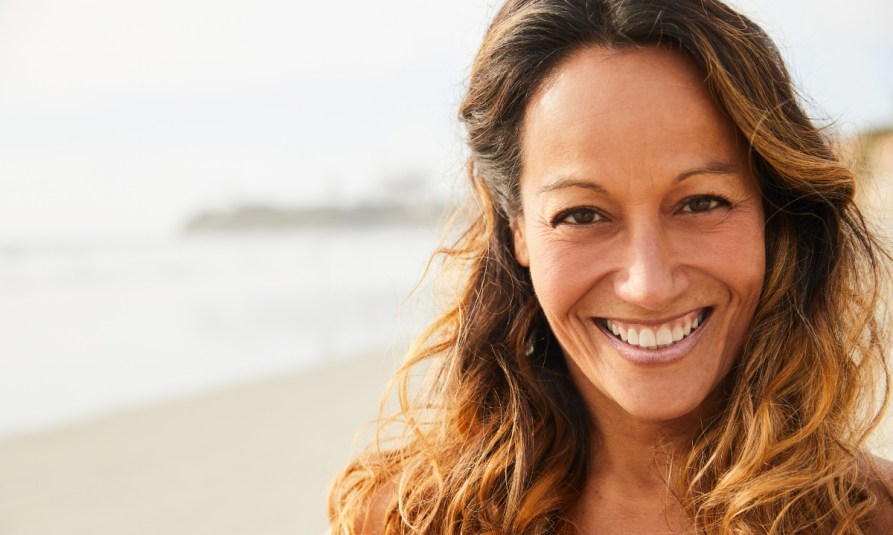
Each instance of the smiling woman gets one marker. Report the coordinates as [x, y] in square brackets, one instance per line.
[669, 317]
[677, 248]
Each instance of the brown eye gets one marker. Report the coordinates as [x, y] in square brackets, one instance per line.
[580, 217]
[700, 204]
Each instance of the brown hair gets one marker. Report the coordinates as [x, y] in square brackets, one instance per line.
[498, 441]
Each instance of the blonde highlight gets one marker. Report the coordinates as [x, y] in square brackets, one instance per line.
[497, 440]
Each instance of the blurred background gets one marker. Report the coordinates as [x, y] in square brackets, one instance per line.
[212, 215]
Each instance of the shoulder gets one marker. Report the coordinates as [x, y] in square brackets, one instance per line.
[372, 518]
[880, 474]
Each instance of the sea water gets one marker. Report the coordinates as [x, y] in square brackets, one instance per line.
[91, 326]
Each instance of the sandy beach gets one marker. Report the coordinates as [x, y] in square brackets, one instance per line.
[252, 459]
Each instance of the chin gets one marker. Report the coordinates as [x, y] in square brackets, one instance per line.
[661, 411]
[687, 408]
[652, 397]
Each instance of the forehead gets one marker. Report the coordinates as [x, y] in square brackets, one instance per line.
[625, 108]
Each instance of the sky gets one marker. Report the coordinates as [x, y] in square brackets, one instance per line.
[123, 117]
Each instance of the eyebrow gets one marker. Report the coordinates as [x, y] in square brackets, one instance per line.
[712, 168]
[571, 182]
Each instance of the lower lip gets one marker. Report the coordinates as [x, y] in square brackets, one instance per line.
[654, 357]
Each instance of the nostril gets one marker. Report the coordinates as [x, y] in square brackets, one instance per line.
[649, 278]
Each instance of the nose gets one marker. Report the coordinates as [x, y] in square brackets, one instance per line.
[648, 276]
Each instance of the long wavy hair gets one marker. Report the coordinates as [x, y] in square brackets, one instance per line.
[497, 440]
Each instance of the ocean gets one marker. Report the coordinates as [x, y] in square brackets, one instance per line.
[89, 327]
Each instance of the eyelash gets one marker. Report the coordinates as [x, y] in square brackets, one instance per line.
[715, 201]
[559, 219]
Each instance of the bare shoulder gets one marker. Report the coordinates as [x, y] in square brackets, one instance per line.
[372, 518]
[881, 480]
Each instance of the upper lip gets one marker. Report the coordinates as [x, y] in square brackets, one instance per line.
[654, 322]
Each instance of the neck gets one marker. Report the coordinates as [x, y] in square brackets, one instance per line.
[638, 452]
[628, 486]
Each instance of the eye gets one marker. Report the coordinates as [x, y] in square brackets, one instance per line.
[577, 216]
[703, 203]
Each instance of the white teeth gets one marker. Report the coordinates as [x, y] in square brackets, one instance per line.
[678, 333]
[664, 337]
[647, 339]
[632, 337]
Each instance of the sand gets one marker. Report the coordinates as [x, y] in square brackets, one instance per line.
[253, 459]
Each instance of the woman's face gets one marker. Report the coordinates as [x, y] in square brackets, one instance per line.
[642, 228]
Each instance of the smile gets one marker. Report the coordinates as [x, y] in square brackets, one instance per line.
[656, 336]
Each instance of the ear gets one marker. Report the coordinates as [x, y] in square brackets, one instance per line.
[520, 241]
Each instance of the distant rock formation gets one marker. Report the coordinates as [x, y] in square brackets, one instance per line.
[260, 217]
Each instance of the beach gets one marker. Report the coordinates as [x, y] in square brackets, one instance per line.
[256, 459]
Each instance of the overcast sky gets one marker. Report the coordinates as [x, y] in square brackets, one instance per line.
[125, 116]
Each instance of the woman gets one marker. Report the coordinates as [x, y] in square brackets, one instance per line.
[666, 320]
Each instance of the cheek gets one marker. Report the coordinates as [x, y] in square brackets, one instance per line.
[733, 252]
[740, 259]
[564, 272]
[737, 260]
